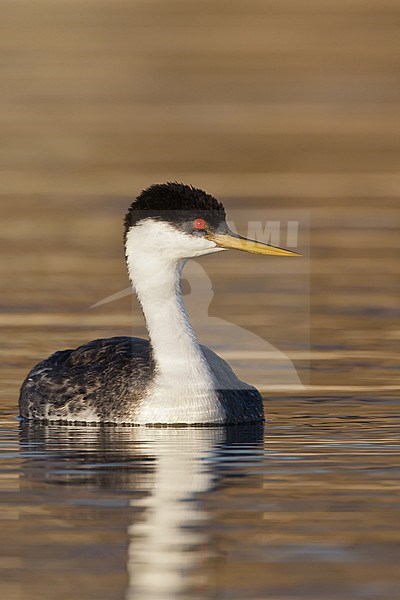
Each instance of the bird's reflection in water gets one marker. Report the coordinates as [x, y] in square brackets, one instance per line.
[159, 476]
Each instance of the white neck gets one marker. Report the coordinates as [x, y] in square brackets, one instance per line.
[184, 387]
[175, 347]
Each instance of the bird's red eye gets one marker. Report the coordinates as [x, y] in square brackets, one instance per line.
[199, 224]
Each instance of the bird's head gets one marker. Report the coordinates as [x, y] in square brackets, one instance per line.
[184, 222]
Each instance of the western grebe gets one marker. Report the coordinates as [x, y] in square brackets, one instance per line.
[169, 379]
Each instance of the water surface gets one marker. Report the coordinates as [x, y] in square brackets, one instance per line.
[307, 507]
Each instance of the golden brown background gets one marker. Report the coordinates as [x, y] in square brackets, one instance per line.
[271, 105]
[267, 104]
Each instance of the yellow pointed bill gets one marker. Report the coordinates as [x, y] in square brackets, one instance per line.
[233, 241]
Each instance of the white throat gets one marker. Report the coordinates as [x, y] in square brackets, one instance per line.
[183, 390]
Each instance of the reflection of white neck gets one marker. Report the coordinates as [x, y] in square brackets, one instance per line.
[182, 373]
[164, 548]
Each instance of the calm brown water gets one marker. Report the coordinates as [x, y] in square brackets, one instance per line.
[289, 111]
[307, 508]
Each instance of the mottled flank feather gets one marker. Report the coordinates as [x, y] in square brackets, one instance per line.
[103, 380]
[107, 380]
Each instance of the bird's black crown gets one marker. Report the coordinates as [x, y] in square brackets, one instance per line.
[177, 204]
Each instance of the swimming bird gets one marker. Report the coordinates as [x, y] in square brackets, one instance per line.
[169, 379]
